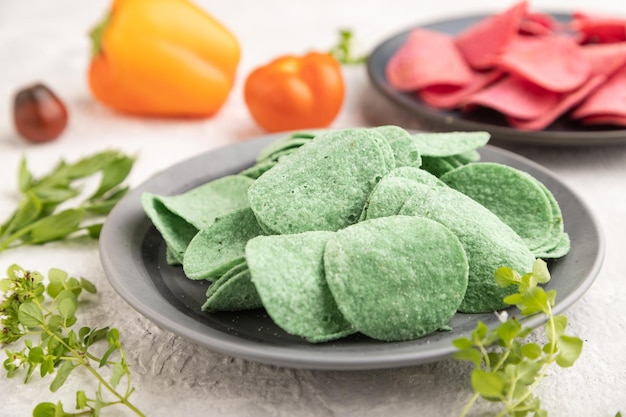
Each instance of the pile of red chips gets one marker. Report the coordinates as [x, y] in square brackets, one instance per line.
[527, 66]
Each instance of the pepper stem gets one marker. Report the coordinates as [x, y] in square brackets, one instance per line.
[96, 35]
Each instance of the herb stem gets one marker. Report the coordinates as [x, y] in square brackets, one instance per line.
[469, 405]
[83, 361]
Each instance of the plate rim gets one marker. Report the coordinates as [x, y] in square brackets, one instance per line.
[440, 119]
[136, 225]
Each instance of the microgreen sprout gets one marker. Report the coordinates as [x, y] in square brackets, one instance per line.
[507, 367]
[44, 319]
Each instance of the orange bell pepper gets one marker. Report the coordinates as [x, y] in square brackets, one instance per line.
[295, 92]
[162, 58]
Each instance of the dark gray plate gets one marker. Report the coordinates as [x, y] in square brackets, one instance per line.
[133, 256]
[561, 132]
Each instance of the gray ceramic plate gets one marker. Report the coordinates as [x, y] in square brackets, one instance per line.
[133, 255]
[561, 132]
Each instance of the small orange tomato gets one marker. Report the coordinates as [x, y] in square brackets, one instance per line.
[295, 92]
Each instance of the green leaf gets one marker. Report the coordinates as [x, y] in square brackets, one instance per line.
[514, 299]
[57, 275]
[81, 400]
[47, 366]
[119, 370]
[94, 230]
[89, 165]
[84, 331]
[28, 211]
[488, 385]
[527, 371]
[570, 349]
[88, 286]
[469, 354]
[62, 374]
[54, 195]
[508, 331]
[541, 272]
[30, 315]
[95, 335]
[56, 226]
[67, 308]
[24, 177]
[479, 333]
[531, 350]
[560, 323]
[113, 174]
[57, 279]
[462, 343]
[36, 354]
[107, 354]
[113, 337]
[506, 277]
[5, 284]
[55, 322]
[45, 410]
[535, 301]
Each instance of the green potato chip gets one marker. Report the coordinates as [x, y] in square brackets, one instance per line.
[234, 270]
[176, 231]
[405, 150]
[450, 143]
[467, 157]
[233, 291]
[201, 205]
[514, 196]
[258, 169]
[288, 273]
[172, 257]
[488, 242]
[275, 149]
[178, 218]
[220, 246]
[417, 174]
[396, 278]
[388, 197]
[558, 244]
[436, 165]
[558, 250]
[324, 185]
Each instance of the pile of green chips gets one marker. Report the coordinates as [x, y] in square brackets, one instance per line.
[372, 230]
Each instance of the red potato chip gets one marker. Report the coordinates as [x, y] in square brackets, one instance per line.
[514, 97]
[482, 42]
[604, 120]
[605, 58]
[555, 63]
[448, 97]
[537, 24]
[566, 102]
[599, 29]
[427, 58]
[607, 101]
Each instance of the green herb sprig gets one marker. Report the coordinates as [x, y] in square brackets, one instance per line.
[507, 368]
[343, 51]
[42, 216]
[47, 315]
